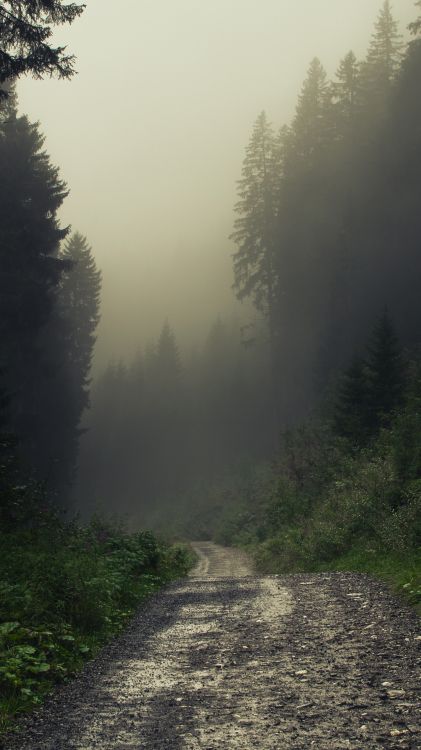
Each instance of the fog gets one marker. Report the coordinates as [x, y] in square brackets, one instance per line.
[150, 138]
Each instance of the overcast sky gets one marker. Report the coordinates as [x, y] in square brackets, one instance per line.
[150, 137]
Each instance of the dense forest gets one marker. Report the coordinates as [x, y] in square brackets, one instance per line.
[328, 236]
[326, 239]
[293, 430]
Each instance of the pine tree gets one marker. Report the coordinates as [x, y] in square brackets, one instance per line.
[31, 193]
[167, 361]
[385, 374]
[26, 27]
[346, 95]
[350, 412]
[69, 340]
[254, 229]
[310, 127]
[415, 27]
[383, 61]
[78, 302]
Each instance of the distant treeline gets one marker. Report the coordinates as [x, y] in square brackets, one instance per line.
[328, 228]
[328, 237]
[164, 426]
[49, 310]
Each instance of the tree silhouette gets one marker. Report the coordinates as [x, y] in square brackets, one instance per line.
[254, 229]
[26, 28]
[415, 26]
[31, 193]
[385, 373]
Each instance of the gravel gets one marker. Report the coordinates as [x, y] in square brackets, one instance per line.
[228, 659]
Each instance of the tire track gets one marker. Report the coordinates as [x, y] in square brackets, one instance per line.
[226, 659]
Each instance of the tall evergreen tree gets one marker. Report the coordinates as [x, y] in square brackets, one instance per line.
[310, 126]
[31, 193]
[69, 339]
[346, 95]
[350, 414]
[415, 26]
[385, 373]
[383, 61]
[254, 229]
[26, 28]
[167, 359]
[79, 302]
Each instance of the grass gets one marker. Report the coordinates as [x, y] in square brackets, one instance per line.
[402, 573]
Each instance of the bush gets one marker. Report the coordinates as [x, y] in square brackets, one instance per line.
[65, 589]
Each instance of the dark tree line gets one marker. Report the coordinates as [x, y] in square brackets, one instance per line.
[372, 388]
[329, 229]
[49, 300]
[167, 424]
[327, 235]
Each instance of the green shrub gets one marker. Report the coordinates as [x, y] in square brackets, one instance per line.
[65, 589]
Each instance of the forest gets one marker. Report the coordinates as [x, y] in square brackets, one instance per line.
[292, 429]
[326, 243]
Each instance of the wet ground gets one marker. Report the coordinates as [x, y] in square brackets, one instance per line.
[228, 659]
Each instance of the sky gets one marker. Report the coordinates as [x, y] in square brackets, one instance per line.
[150, 137]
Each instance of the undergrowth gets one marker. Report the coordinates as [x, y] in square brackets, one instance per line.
[335, 502]
[65, 589]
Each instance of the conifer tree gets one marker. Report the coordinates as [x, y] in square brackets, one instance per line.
[31, 193]
[310, 127]
[26, 27]
[167, 361]
[350, 414]
[68, 341]
[254, 229]
[79, 301]
[382, 64]
[385, 373]
[346, 95]
[415, 26]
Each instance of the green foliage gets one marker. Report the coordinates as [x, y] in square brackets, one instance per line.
[66, 589]
[385, 374]
[329, 504]
[371, 389]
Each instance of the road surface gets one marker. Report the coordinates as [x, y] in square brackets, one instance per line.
[228, 659]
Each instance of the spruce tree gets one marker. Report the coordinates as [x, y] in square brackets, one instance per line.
[346, 95]
[26, 28]
[69, 339]
[382, 63]
[350, 413]
[78, 302]
[385, 374]
[167, 361]
[415, 26]
[310, 127]
[254, 229]
[31, 193]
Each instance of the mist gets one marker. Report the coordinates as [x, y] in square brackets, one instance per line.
[212, 216]
[150, 138]
[210, 370]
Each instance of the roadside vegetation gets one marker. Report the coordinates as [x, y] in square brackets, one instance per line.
[345, 490]
[65, 589]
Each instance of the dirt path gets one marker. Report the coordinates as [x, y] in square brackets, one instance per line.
[231, 660]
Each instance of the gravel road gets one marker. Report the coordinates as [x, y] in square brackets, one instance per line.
[227, 659]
